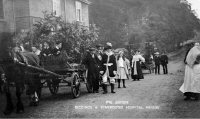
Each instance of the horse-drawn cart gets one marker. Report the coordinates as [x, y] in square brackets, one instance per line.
[55, 71]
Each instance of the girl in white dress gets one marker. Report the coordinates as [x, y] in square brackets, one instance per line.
[123, 66]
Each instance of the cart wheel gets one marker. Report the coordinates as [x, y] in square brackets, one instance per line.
[53, 86]
[75, 86]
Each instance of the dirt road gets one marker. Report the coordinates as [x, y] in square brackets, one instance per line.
[156, 96]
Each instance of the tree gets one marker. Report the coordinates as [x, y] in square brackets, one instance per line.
[165, 22]
[53, 29]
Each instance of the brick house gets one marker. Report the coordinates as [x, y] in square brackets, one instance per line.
[17, 15]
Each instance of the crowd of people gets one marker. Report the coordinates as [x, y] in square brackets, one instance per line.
[106, 67]
[45, 49]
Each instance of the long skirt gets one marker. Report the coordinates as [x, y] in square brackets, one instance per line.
[122, 73]
[137, 73]
[191, 79]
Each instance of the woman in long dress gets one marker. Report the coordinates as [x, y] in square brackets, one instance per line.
[191, 85]
[136, 66]
[123, 66]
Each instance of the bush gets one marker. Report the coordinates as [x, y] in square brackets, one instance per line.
[75, 37]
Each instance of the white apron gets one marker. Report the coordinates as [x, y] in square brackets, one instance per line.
[192, 73]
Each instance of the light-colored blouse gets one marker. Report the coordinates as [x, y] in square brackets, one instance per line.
[121, 62]
[137, 58]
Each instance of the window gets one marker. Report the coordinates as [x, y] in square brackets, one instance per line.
[57, 7]
[78, 11]
[1, 10]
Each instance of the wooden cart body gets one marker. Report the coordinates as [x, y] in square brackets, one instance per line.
[55, 74]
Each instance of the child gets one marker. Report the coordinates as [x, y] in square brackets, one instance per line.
[122, 69]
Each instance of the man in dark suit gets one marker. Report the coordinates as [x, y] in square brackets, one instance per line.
[99, 55]
[91, 63]
[164, 62]
[157, 63]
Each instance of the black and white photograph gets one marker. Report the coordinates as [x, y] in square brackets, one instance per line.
[97, 59]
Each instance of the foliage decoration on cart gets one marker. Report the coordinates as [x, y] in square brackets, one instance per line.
[75, 38]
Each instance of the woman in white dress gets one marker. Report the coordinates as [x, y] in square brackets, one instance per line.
[136, 66]
[191, 85]
[123, 66]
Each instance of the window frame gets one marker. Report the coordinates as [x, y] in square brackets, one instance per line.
[78, 11]
[57, 7]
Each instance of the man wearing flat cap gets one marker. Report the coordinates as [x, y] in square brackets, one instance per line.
[108, 68]
[91, 63]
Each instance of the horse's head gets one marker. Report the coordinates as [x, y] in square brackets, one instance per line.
[8, 56]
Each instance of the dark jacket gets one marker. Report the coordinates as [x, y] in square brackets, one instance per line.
[46, 52]
[164, 59]
[157, 60]
[91, 63]
[56, 51]
[111, 68]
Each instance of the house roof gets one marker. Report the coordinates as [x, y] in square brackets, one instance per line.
[85, 1]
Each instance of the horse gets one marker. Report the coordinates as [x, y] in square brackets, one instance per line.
[19, 76]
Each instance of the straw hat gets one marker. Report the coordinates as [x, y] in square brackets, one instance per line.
[157, 53]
